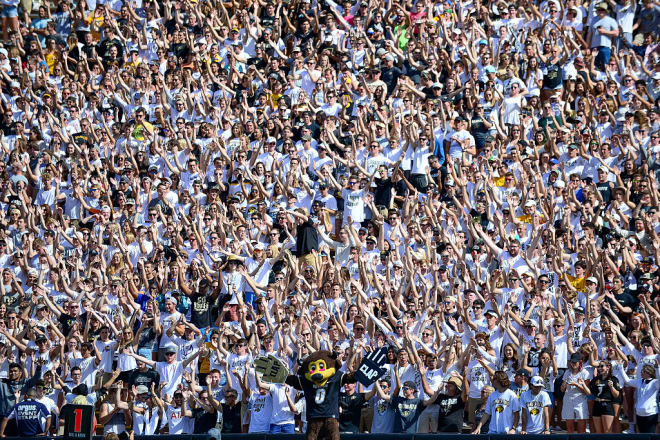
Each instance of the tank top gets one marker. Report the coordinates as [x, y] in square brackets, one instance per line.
[117, 424]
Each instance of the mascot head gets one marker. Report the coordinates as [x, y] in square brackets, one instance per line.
[320, 366]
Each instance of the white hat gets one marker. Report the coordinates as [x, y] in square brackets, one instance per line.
[536, 381]
[171, 299]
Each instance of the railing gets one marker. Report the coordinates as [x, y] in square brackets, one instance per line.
[380, 437]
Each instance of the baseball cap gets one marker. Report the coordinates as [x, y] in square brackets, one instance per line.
[142, 389]
[491, 313]
[410, 384]
[524, 373]
[537, 381]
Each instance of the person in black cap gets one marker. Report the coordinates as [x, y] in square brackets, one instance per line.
[520, 382]
[575, 386]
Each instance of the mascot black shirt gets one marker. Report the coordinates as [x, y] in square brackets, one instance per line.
[322, 402]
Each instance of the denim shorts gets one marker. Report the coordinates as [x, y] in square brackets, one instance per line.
[9, 11]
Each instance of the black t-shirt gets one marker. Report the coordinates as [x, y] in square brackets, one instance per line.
[605, 190]
[407, 413]
[304, 37]
[383, 192]
[200, 309]
[349, 416]
[625, 299]
[450, 414]
[204, 420]
[231, 419]
[553, 77]
[307, 238]
[137, 377]
[478, 130]
[389, 77]
[67, 321]
[321, 401]
[601, 390]
[69, 415]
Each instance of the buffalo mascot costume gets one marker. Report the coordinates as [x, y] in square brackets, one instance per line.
[320, 380]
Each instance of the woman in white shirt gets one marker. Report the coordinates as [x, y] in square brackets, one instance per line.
[646, 405]
[512, 105]
[575, 386]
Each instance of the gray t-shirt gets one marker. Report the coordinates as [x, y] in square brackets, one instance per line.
[599, 40]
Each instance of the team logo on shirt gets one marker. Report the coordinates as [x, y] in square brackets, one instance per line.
[534, 407]
[500, 404]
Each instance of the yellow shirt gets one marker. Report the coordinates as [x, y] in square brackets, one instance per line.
[99, 21]
[528, 219]
[51, 60]
[578, 283]
[138, 131]
[204, 363]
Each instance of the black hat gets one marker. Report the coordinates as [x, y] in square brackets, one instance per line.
[524, 373]
[80, 390]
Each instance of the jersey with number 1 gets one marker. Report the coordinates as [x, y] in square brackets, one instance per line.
[322, 401]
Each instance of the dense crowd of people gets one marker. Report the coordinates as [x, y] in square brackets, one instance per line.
[190, 184]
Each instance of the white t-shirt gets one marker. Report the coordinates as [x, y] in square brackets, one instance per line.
[107, 352]
[571, 390]
[501, 406]
[238, 363]
[177, 423]
[170, 373]
[353, 204]
[533, 405]
[261, 408]
[478, 378]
